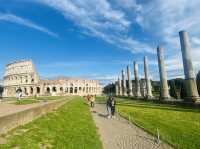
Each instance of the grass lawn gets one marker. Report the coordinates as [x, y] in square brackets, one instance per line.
[69, 127]
[25, 101]
[31, 100]
[101, 99]
[179, 126]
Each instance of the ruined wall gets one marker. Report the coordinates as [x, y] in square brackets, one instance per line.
[23, 75]
[13, 120]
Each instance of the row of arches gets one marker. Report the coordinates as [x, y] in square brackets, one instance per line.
[19, 79]
[57, 90]
[70, 90]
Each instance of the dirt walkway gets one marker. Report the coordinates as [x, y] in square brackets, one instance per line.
[119, 134]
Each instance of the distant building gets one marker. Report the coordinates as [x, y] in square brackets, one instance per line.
[23, 75]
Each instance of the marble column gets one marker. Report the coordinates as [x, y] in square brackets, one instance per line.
[137, 81]
[164, 91]
[190, 79]
[130, 91]
[120, 86]
[147, 79]
[124, 91]
[116, 88]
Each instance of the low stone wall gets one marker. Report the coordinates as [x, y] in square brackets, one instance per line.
[13, 120]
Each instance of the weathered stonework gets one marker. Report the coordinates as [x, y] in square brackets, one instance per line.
[119, 87]
[148, 82]
[137, 81]
[190, 79]
[116, 88]
[164, 91]
[124, 90]
[23, 75]
[130, 91]
[143, 87]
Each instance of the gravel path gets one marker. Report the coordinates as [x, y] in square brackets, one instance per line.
[118, 133]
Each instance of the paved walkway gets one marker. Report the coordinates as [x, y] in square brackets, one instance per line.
[119, 134]
[7, 108]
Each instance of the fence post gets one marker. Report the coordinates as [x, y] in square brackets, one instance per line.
[158, 136]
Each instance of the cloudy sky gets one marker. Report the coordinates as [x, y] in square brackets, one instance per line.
[97, 38]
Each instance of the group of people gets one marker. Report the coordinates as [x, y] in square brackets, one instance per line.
[110, 104]
[91, 100]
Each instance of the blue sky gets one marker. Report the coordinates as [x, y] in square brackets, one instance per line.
[96, 38]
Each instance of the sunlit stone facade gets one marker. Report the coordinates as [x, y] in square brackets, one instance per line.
[23, 75]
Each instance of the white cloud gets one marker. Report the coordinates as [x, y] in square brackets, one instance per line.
[129, 4]
[99, 18]
[21, 21]
[114, 21]
[165, 20]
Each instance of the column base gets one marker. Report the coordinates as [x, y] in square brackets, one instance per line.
[191, 90]
[192, 99]
[138, 97]
[130, 95]
[149, 97]
[164, 98]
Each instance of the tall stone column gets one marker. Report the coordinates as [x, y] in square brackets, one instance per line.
[124, 91]
[137, 81]
[164, 91]
[120, 86]
[190, 79]
[116, 88]
[148, 82]
[130, 91]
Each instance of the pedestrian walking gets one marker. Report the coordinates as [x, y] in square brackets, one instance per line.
[92, 101]
[113, 104]
[108, 106]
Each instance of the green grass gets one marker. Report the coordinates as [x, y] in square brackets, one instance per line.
[25, 101]
[70, 127]
[179, 126]
[31, 100]
[101, 99]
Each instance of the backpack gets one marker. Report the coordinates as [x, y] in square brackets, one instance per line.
[112, 102]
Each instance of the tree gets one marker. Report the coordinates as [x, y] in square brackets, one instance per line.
[198, 81]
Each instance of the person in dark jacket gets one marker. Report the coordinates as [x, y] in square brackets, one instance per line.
[108, 106]
[112, 105]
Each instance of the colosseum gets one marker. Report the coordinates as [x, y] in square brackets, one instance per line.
[23, 75]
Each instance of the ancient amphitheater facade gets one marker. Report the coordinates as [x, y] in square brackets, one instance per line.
[23, 75]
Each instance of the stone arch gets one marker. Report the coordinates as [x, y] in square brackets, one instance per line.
[86, 89]
[54, 89]
[48, 90]
[61, 89]
[38, 90]
[25, 91]
[75, 90]
[66, 90]
[89, 89]
[31, 90]
[71, 90]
